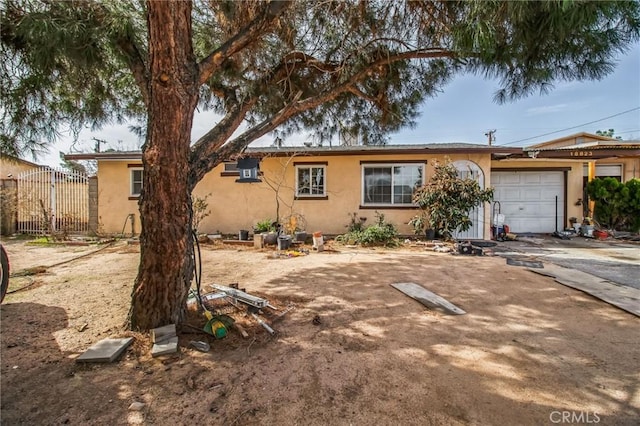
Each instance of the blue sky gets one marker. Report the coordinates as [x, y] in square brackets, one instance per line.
[465, 111]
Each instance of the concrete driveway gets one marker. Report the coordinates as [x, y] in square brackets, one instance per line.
[613, 260]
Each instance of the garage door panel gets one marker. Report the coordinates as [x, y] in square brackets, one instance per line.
[531, 179]
[532, 194]
[528, 210]
[528, 200]
[553, 178]
[507, 178]
[508, 194]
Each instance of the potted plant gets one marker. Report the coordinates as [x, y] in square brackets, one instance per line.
[421, 226]
[295, 225]
[268, 228]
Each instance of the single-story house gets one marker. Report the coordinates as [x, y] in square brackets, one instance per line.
[326, 186]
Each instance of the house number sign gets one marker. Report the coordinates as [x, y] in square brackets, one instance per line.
[582, 153]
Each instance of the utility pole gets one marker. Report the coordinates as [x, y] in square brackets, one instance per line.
[490, 134]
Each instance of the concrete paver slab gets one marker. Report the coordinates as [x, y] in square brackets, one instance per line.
[163, 333]
[165, 347]
[626, 298]
[106, 350]
[528, 263]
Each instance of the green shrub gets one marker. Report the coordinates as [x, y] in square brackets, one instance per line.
[265, 225]
[617, 205]
[381, 233]
[446, 200]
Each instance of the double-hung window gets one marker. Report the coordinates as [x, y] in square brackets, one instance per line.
[391, 184]
[136, 181]
[311, 180]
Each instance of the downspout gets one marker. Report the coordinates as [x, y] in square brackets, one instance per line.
[566, 199]
[590, 176]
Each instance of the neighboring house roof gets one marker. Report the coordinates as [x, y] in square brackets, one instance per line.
[435, 148]
[11, 167]
[569, 140]
[12, 159]
[609, 144]
[594, 150]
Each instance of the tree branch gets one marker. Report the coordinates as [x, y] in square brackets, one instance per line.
[359, 93]
[207, 154]
[136, 65]
[202, 151]
[244, 37]
[242, 141]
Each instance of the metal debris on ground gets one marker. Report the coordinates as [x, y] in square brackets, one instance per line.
[283, 313]
[427, 298]
[468, 248]
[263, 324]
[226, 304]
[241, 296]
[316, 320]
[200, 345]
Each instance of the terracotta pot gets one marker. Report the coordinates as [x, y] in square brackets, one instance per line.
[601, 235]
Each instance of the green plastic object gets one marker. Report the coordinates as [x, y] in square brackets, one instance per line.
[216, 328]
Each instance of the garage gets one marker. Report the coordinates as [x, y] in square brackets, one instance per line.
[528, 199]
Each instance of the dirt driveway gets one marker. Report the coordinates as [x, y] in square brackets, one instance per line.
[529, 351]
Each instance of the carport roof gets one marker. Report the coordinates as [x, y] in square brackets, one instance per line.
[589, 150]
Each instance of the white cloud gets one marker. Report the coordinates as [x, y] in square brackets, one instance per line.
[548, 109]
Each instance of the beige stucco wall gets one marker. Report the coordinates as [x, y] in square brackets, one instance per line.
[234, 206]
[114, 205]
[630, 166]
[574, 179]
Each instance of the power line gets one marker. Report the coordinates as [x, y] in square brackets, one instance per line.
[573, 127]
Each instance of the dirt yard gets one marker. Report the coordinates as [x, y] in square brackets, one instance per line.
[528, 351]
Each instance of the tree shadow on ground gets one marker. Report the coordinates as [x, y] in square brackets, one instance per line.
[37, 375]
[512, 350]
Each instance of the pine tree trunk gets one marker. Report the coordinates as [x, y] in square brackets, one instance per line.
[166, 265]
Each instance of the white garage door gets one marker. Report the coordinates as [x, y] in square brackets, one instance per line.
[528, 200]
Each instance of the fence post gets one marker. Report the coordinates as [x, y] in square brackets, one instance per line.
[93, 204]
[8, 206]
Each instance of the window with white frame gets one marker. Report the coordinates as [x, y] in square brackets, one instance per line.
[310, 180]
[136, 181]
[391, 184]
[231, 167]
